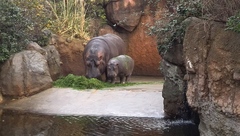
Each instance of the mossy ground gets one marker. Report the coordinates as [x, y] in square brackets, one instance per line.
[81, 83]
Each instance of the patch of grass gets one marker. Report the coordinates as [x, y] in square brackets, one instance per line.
[233, 23]
[81, 82]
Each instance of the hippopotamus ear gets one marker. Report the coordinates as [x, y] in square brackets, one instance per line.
[84, 45]
[100, 56]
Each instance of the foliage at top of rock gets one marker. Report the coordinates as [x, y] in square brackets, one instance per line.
[173, 32]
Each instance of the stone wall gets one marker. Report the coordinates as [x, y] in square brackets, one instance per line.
[131, 20]
[70, 52]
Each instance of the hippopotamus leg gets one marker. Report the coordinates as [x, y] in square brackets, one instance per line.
[106, 77]
[113, 80]
[121, 79]
[126, 80]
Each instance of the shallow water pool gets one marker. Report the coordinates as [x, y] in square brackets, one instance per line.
[22, 124]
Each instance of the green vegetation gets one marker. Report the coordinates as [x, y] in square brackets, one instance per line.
[78, 82]
[173, 33]
[233, 23]
[21, 21]
[35, 20]
[14, 28]
[81, 82]
[36, 12]
[27, 20]
[73, 17]
[68, 18]
[94, 9]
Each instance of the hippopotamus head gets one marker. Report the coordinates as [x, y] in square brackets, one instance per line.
[112, 70]
[95, 65]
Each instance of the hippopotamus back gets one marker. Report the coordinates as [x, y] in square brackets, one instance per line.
[99, 50]
[120, 66]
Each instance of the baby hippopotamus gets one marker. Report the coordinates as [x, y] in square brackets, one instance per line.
[120, 66]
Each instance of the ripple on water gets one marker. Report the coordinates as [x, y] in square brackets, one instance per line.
[15, 124]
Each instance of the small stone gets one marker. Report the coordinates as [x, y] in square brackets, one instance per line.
[236, 76]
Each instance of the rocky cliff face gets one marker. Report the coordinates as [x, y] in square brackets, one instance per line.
[131, 20]
[212, 61]
[70, 52]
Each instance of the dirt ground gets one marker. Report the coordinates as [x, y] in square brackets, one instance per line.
[146, 79]
[150, 83]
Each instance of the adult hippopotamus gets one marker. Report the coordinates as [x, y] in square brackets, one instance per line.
[98, 51]
[120, 66]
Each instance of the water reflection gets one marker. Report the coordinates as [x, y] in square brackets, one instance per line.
[16, 124]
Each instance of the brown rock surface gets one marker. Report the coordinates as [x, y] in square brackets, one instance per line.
[54, 62]
[141, 46]
[214, 54]
[125, 13]
[71, 55]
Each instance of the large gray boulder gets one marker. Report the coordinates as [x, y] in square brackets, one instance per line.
[24, 74]
[52, 56]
